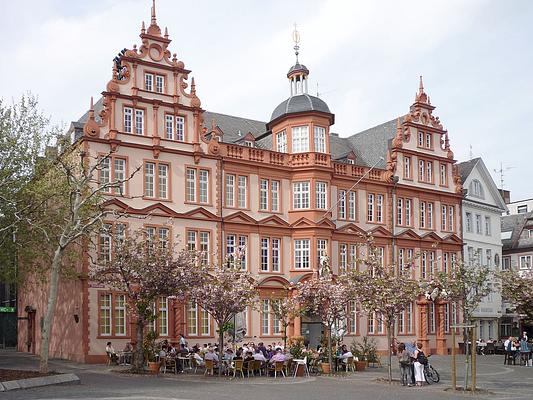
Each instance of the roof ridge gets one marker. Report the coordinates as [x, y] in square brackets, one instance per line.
[234, 116]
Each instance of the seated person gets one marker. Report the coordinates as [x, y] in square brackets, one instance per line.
[259, 356]
[109, 349]
[249, 357]
[198, 358]
[210, 355]
[238, 355]
[278, 357]
[128, 352]
[183, 351]
[228, 355]
[270, 352]
[345, 354]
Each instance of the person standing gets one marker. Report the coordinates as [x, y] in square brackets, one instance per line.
[411, 348]
[420, 360]
[404, 358]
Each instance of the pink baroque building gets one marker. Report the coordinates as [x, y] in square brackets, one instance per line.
[283, 189]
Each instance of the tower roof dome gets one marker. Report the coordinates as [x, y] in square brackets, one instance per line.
[297, 68]
[300, 103]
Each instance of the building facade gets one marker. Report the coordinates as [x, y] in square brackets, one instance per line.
[517, 240]
[482, 209]
[287, 190]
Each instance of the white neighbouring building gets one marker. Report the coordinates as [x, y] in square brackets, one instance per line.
[482, 208]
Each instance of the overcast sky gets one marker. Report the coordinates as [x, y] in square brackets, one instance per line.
[476, 57]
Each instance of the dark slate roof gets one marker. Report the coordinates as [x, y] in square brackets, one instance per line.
[234, 128]
[516, 223]
[298, 67]
[98, 106]
[466, 167]
[300, 103]
[373, 143]
[339, 147]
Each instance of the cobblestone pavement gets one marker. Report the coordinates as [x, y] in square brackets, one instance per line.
[99, 382]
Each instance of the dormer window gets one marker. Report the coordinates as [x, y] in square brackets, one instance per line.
[351, 161]
[300, 139]
[320, 139]
[248, 143]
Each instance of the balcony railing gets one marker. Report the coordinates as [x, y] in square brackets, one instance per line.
[255, 155]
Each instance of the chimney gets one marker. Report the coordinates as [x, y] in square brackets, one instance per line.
[506, 195]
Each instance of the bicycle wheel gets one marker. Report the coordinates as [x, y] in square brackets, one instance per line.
[431, 374]
[427, 375]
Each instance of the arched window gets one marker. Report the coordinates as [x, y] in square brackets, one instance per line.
[476, 189]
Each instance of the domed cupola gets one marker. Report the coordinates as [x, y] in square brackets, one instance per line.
[300, 100]
[301, 123]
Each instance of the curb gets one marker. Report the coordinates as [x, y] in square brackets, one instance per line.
[39, 381]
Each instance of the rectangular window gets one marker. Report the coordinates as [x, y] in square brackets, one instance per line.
[276, 254]
[432, 266]
[163, 181]
[149, 179]
[487, 226]
[159, 83]
[351, 205]
[488, 256]
[180, 129]
[230, 190]
[445, 263]
[119, 175]
[191, 240]
[105, 314]
[321, 195]
[421, 171]
[399, 212]
[407, 168]
[447, 318]
[300, 195]
[242, 189]
[263, 194]
[320, 139]
[343, 257]
[204, 186]
[408, 212]
[300, 139]
[199, 240]
[506, 263]
[431, 317]
[423, 265]
[478, 224]
[420, 139]
[192, 319]
[169, 127]
[204, 247]
[162, 317]
[443, 175]
[342, 204]
[429, 169]
[191, 185]
[409, 318]
[128, 115]
[234, 242]
[370, 323]
[451, 218]
[274, 195]
[281, 142]
[444, 217]
[205, 323]
[149, 82]
[353, 256]
[525, 262]
[428, 140]
[321, 250]
[352, 319]
[468, 222]
[301, 254]
[370, 208]
[265, 247]
[139, 122]
[120, 315]
[422, 214]
[276, 323]
[265, 317]
[105, 170]
[379, 208]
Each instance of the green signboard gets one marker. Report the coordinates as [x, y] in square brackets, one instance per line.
[7, 309]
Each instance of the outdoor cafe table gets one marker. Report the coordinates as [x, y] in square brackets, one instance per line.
[123, 357]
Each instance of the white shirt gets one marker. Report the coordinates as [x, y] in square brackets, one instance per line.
[259, 357]
[211, 356]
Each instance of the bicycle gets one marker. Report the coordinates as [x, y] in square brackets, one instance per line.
[430, 374]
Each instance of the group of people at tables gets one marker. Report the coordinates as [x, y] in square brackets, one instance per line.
[523, 348]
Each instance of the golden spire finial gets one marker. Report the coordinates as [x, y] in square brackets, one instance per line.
[296, 40]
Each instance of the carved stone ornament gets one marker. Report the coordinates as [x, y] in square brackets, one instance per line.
[213, 147]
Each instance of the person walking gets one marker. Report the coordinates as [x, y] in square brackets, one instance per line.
[420, 361]
[404, 358]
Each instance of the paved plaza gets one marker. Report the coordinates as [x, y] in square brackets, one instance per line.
[98, 382]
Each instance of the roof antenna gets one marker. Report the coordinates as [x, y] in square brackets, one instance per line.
[296, 40]
[471, 154]
[317, 93]
[501, 172]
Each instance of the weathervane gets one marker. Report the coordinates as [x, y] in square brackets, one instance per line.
[296, 39]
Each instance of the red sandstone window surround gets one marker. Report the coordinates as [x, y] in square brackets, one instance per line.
[443, 174]
[271, 254]
[134, 120]
[112, 317]
[199, 240]
[375, 208]
[157, 180]
[239, 242]
[269, 195]
[199, 322]
[114, 168]
[110, 233]
[347, 205]
[175, 127]
[404, 211]
[407, 168]
[426, 215]
[236, 189]
[197, 185]
[270, 324]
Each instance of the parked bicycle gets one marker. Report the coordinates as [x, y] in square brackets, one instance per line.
[430, 373]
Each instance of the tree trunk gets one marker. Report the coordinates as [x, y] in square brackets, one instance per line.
[220, 347]
[389, 341]
[330, 355]
[50, 308]
[139, 354]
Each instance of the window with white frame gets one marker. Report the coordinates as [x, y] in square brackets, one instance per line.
[469, 222]
[270, 254]
[198, 320]
[525, 262]
[375, 208]
[352, 318]
[263, 194]
[431, 318]
[447, 318]
[242, 189]
[420, 139]
[236, 191]
[199, 241]
[426, 215]
[105, 314]
[133, 125]
[403, 211]
[423, 265]
[120, 315]
[488, 256]
[506, 263]
[477, 189]
[320, 139]
[421, 171]
[343, 257]
[451, 218]
[162, 316]
[149, 82]
[234, 243]
[321, 194]
[197, 185]
[275, 196]
[175, 127]
[443, 175]
[113, 170]
[347, 205]
[281, 141]
[230, 190]
[428, 140]
[302, 250]
[300, 194]
[321, 250]
[342, 204]
[444, 217]
[487, 226]
[407, 174]
[300, 139]
[159, 83]
[353, 256]
[478, 224]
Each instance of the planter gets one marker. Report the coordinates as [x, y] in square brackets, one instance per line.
[326, 368]
[153, 367]
[360, 365]
[299, 370]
